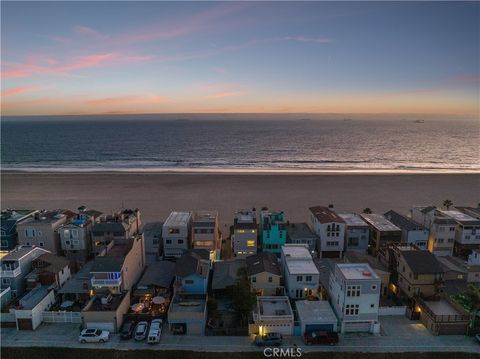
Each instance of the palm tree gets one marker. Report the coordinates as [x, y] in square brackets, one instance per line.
[447, 204]
[367, 211]
[473, 296]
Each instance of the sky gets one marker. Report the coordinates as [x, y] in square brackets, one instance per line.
[61, 58]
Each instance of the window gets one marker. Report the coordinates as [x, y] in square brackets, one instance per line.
[188, 281]
[353, 290]
[372, 305]
[74, 233]
[352, 309]
[299, 278]
[308, 278]
[41, 244]
[254, 279]
[6, 281]
[67, 243]
[29, 232]
[251, 243]
[180, 241]
[173, 230]
[452, 229]
[270, 279]
[374, 287]
[168, 241]
[76, 242]
[39, 233]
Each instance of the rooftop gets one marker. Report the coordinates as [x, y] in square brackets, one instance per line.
[108, 264]
[20, 251]
[326, 215]
[461, 217]
[425, 209]
[403, 222]
[262, 262]
[54, 263]
[189, 263]
[442, 307]
[32, 298]
[318, 310]
[379, 222]
[471, 211]
[155, 227]
[188, 303]
[245, 216]
[357, 271]
[96, 305]
[298, 259]
[422, 262]
[299, 231]
[205, 218]
[80, 282]
[353, 219]
[226, 273]
[47, 216]
[159, 273]
[274, 306]
[178, 219]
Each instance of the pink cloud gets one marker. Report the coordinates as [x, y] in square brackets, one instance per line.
[224, 94]
[317, 40]
[123, 100]
[20, 90]
[85, 30]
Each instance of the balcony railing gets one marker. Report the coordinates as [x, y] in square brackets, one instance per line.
[10, 272]
[106, 282]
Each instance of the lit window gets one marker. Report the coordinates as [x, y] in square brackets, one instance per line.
[251, 243]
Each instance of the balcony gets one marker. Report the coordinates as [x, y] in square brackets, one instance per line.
[106, 282]
[10, 272]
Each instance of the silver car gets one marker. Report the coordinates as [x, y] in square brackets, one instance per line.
[93, 336]
[141, 331]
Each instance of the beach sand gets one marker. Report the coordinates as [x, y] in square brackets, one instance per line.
[156, 194]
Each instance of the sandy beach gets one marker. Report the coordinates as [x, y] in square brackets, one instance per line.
[156, 194]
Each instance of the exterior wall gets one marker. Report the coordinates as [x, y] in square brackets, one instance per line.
[330, 241]
[176, 244]
[356, 238]
[262, 284]
[153, 243]
[241, 240]
[8, 240]
[114, 317]
[45, 237]
[36, 314]
[441, 239]
[134, 264]
[424, 283]
[379, 239]
[418, 238]
[273, 239]
[425, 219]
[194, 284]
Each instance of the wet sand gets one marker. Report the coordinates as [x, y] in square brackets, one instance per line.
[156, 194]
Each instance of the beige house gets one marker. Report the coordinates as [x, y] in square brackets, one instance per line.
[272, 314]
[264, 274]
[419, 272]
[41, 230]
[106, 312]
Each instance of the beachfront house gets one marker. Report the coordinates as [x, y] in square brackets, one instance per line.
[152, 235]
[412, 232]
[355, 294]
[176, 234]
[264, 274]
[467, 232]
[192, 272]
[423, 215]
[300, 233]
[330, 228]
[356, 232]
[245, 233]
[75, 239]
[272, 228]
[299, 271]
[383, 233]
[9, 220]
[16, 265]
[441, 239]
[205, 233]
[50, 270]
[41, 229]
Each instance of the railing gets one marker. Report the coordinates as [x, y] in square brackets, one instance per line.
[10, 272]
[392, 310]
[106, 282]
[441, 318]
[62, 317]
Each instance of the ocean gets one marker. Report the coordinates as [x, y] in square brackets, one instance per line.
[173, 143]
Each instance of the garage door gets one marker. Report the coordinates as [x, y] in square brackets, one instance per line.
[284, 329]
[354, 327]
[25, 324]
[102, 325]
[322, 327]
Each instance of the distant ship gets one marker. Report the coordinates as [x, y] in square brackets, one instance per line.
[419, 121]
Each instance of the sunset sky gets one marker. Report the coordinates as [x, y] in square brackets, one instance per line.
[152, 57]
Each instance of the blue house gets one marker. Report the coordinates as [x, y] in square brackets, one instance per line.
[192, 272]
[274, 233]
[8, 233]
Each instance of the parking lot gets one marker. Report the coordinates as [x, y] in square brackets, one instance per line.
[398, 334]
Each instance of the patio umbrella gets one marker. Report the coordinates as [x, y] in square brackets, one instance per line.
[158, 300]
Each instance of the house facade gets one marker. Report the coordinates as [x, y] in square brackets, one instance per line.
[176, 234]
[355, 293]
[8, 231]
[441, 239]
[192, 272]
[330, 228]
[383, 233]
[467, 233]
[274, 234]
[245, 233]
[152, 235]
[76, 239]
[50, 270]
[264, 274]
[412, 232]
[206, 233]
[356, 232]
[300, 233]
[299, 271]
[272, 315]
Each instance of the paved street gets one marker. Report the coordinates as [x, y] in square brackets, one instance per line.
[398, 335]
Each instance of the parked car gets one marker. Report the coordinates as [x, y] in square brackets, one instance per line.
[320, 337]
[155, 331]
[127, 330]
[93, 336]
[269, 339]
[141, 331]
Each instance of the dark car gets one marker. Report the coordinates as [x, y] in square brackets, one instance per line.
[320, 337]
[269, 339]
[127, 330]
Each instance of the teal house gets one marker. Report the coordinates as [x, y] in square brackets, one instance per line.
[273, 229]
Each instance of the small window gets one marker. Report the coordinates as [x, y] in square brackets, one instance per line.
[180, 241]
[270, 279]
[188, 281]
[41, 244]
[374, 287]
[254, 279]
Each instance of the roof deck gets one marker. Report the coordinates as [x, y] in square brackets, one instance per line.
[380, 223]
[298, 259]
[357, 271]
[353, 220]
[274, 306]
[178, 219]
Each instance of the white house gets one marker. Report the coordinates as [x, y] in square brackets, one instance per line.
[272, 314]
[176, 234]
[412, 232]
[330, 228]
[316, 315]
[467, 232]
[354, 290]
[300, 272]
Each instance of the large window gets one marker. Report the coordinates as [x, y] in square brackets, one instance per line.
[251, 243]
[351, 309]
[29, 232]
[353, 290]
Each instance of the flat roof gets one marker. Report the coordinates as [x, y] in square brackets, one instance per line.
[298, 259]
[380, 222]
[357, 271]
[178, 219]
[185, 303]
[353, 219]
[245, 216]
[20, 251]
[316, 311]
[205, 216]
[32, 298]
[461, 217]
[274, 306]
[300, 231]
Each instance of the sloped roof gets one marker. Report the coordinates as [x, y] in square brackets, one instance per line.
[56, 263]
[262, 262]
[159, 273]
[422, 262]
[108, 264]
[226, 273]
[108, 227]
[326, 215]
[403, 222]
[188, 263]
